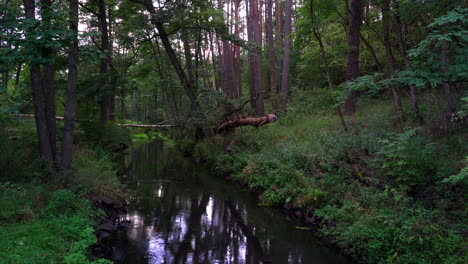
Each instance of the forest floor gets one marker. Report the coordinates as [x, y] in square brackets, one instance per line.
[46, 216]
[385, 192]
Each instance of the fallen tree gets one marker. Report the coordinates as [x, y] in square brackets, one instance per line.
[246, 121]
[230, 124]
[159, 125]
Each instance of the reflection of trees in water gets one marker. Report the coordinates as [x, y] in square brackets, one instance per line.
[188, 216]
[201, 238]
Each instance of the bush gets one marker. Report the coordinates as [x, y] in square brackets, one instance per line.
[94, 173]
[110, 137]
[61, 232]
[384, 196]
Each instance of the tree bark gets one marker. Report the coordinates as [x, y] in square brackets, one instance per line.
[255, 80]
[106, 96]
[70, 108]
[247, 121]
[260, 109]
[279, 37]
[250, 37]
[38, 97]
[352, 67]
[237, 58]
[18, 74]
[287, 51]
[401, 45]
[48, 85]
[175, 62]
[271, 45]
[331, 85]
[390, 57]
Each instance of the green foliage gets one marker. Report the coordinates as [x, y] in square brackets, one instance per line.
[110, 137]
[383, 196]
[410, 159]
[40, 222]
[60, 232]
[460, 178]
[450, 30]
[400, 235]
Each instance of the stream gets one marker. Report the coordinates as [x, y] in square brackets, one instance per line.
[180, 213]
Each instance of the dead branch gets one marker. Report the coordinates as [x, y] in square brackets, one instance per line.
[247, 121]
[159, 125]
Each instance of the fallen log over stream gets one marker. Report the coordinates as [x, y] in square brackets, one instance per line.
[247, 121]
[160, 125]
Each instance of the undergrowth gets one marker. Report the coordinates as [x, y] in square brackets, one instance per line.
[45, 216]
[385, 193]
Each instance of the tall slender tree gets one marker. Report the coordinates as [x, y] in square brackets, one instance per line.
[402, 47]
[70, 107]
[45, 146]
[107, 90]
[390, 58]
[352, 66]
[255, 69]
[287, 50]
[48, 88]
[271, 45]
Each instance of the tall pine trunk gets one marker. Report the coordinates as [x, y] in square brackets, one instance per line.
[390, 57]
[48, 85]
[255, 80]
[38, 97]
[106, 96]
[352, 66]
[287, 51]
[271, 45]
[70, 108]
[279, 44]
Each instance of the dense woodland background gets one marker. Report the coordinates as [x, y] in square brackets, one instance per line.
[370, 97]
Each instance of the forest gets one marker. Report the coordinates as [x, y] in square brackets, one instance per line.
[349, 116]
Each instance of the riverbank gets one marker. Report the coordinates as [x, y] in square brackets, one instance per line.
[49, 217]
[384, 194]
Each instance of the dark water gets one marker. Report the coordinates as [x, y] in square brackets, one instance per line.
[182, 214]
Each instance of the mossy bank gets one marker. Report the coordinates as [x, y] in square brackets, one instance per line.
[51, 217]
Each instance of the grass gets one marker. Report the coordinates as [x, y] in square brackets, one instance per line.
[47, 217]
[383, 191]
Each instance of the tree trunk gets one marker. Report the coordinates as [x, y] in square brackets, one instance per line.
[237, 58]
[48, 85]
[279, 37]
[401, 45]
[352, 67]
[213, 62]
[18, 74]
[390, 57]
[287, 51]
[258, 59]
[271, 45]
[251, 55]
[331, 85]
[106, 95]
[378, 65]
[38, 98]
[247, 121]
[450, 99]
[70, 108]
[175, 62]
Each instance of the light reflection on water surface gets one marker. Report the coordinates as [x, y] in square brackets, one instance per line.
[182, 214]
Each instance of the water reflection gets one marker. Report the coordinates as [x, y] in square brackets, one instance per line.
[182, 214]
